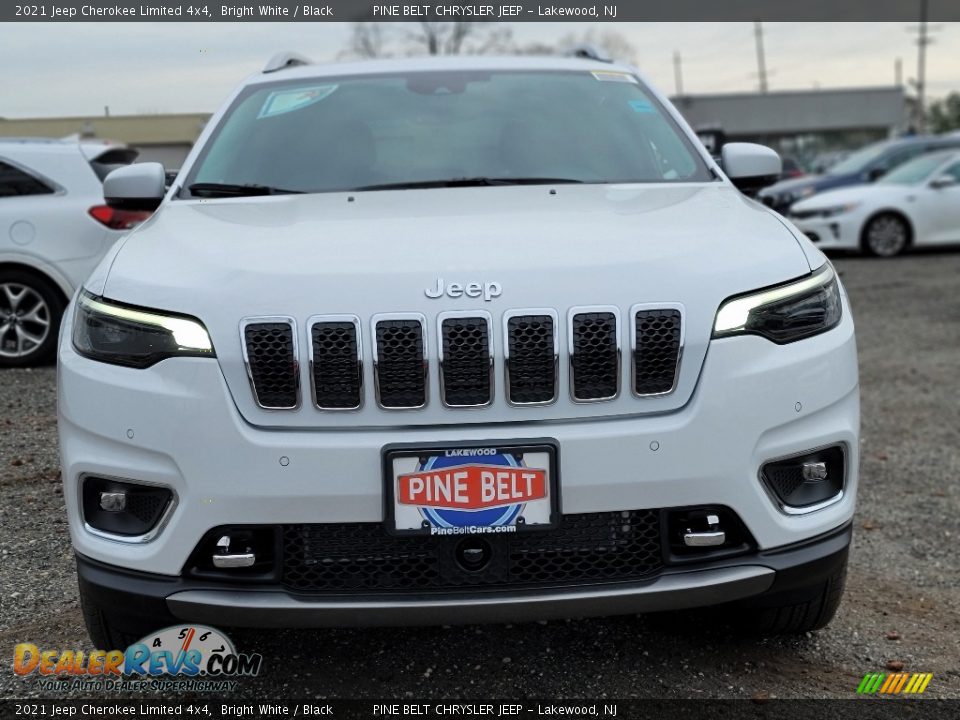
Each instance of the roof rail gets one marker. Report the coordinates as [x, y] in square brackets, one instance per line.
[589, 52]
[284, 60]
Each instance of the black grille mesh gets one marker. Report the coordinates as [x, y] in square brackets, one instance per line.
[783, 478]
[657, 351]
[362, 557]
[400, 363]
[336, 365]
[146, 504]
[272, 365]
[595, 362]
[466, 361]
[533, 368]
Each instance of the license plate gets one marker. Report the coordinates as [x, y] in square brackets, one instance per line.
[474, 490]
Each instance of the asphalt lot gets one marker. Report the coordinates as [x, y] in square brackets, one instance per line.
[902, 603]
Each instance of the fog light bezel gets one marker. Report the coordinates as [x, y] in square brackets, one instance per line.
[146, 537]
[267, 568]
[795, 510]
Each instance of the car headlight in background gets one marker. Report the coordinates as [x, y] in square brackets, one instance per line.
[838, 209]
[827, 212]
[124, 335]
[794, 196]
[786, 313]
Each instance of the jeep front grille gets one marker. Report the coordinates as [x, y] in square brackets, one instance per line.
[400, 362]
[658, 339]
[465, 345]
[531, 359]
[336, 368]
[466, 360]
[594, 356]
[270, 351]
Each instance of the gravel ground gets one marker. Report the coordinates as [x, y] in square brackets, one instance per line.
[901, 605]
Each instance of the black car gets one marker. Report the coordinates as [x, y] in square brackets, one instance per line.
[863, 166]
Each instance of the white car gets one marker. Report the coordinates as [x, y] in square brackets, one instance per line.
[54, 229]
[918, 204]
[408, 341]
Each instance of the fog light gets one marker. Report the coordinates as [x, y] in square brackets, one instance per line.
[802, 482]
[123, 508]
[814, 471]
[113, 501]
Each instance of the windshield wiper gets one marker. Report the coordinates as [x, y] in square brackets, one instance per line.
[209, 189]
[466, 182]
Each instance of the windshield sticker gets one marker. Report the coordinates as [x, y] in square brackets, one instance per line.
[284, 101]
[611, 76]
[642, 106]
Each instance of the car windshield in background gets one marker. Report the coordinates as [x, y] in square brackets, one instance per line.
[436, 129]
[858, 161]
[916, 171]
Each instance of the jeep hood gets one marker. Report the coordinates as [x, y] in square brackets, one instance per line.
[377, 252]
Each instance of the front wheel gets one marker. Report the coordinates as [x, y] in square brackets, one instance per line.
[30, 312]
[886, 235]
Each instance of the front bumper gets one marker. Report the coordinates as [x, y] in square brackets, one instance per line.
[134, 596]
[841, 232]
[175, 425]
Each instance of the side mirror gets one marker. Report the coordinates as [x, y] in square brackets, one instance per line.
[875, 174]
[750, 166]
[943, 181]
[135, 187]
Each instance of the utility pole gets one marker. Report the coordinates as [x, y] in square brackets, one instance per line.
[761, 56]
[678, 73]
[898, 72]
[923, 31]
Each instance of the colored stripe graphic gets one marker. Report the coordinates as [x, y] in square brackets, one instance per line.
[895, 684]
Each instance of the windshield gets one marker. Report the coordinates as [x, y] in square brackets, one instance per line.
[334, 134]
[915, 171]
[858, 161]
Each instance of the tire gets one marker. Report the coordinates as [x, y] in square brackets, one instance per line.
[110, 631]
[886, 235]
[798, 611]
[31, 308]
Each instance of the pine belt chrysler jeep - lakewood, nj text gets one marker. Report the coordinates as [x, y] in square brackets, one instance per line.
[456, 340]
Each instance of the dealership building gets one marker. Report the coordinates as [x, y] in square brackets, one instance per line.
[796, 122]
[802, 121]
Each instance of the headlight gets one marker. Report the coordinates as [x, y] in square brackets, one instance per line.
[800, 194]
[786, 313]
[123, 335]
[838, 210]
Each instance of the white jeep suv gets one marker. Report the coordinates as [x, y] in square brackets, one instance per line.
[456, 340]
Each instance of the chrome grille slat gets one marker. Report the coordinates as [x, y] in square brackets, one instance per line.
[657, 340]
[531, 354]
[465, 348]
[594, 346]
[336, 362]
[271, 355]
[400, 361]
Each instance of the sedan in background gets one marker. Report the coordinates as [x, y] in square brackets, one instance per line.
[54, 229]
[863, 166]
[916, 204]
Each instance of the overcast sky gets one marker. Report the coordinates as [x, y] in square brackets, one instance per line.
[63, 69]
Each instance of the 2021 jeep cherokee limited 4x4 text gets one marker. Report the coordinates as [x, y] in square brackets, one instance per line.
[457, 340]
